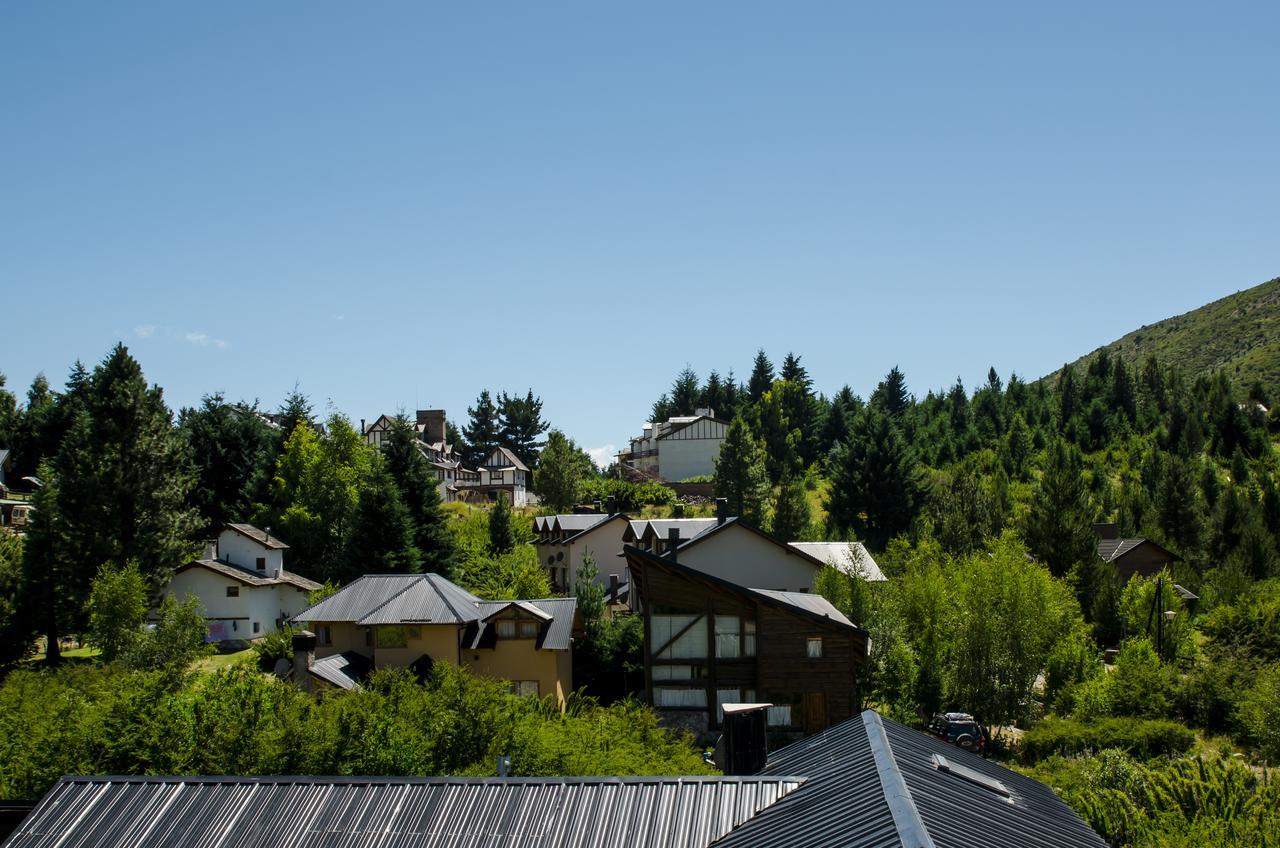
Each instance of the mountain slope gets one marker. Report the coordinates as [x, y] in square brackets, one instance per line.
[1240, 332]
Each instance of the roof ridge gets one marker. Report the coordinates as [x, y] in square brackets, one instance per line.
[390, 598]
[445, 598]
[906, 817]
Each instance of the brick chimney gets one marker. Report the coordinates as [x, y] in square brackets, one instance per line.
[433, 424]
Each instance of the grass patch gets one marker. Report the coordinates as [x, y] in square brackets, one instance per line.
[208, 665]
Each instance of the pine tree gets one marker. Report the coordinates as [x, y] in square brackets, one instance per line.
[741, 476]
[483, 432]
[791, 512]
[503, 537]
[1069, 405]
[1017, 449]
[1059, 524]
[419, 491]
[684, 392]
[381, 540]
[713, 394]
[295, 410]
[794, 372]
[558, 479]
[876, 486]
[891, 394]
[783, 441]
[835, 426]
[761, 377]
[522, 425]
[234, 451]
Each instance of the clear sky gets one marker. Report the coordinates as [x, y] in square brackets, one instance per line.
[399, 204]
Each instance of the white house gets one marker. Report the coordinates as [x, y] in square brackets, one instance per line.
[563, 540]
[242, 584]
[676, 449]
[502, 471]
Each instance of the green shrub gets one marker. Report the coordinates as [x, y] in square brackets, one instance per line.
[1258, 714]
[275, 646]
[1142, 738]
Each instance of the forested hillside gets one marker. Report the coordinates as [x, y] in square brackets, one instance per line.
[1239, 334]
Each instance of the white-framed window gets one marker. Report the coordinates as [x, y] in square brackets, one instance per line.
[814, 647]
[668, 696]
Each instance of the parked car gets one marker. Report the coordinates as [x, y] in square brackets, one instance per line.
[960, 729]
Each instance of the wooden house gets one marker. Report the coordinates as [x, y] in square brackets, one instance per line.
[1132, 556]
[710, 642]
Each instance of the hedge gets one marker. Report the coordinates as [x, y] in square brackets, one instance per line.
[1142, 738]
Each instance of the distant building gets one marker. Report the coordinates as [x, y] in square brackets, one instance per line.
[242, 584]
[415, 620]
[502, 470]
[1132, 556]
[711, 642]
[676, 449]
[563, 540]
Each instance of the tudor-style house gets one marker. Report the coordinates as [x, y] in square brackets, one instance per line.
[502, 471]
[710, 642]
[414, 620]
[453, 478]
[242, 584]
[676, 449]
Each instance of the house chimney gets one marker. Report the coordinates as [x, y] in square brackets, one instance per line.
[722, 509]
[433, 424]
[596, 505]
[1107, 530]
[210, 548]
[613, 588]
[304, 646]
[677, 511]
[611, 505]
[745, 740]
[673, 542]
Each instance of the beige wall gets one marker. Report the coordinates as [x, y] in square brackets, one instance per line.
[740, 556]
[438, 641]
[520, 659]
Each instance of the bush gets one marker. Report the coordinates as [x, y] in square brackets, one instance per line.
[275, 646]
[1141, 738]
[1259, 714]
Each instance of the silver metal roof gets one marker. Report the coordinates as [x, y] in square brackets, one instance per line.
[346, 670]
[236, 812]
[430, 599]
[849, 557]
[358, 598]
[807, 601]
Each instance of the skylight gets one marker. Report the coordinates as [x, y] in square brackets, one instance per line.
[941, 763]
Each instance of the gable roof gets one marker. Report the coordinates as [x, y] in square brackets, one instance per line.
[805, 604]
[512, 461]
[876, 783]
[686, 421]
[1113, 549]
[850, 557]
[250, 578]
[391, 599]
[864, 783]
[687, 527]
[259, 536]
[433, 812]
[554, 634]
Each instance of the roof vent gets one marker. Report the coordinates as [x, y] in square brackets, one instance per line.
[987, 782]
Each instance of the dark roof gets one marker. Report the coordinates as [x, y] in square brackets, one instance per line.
[250, 578]
[554, 635]
[873, 782]
[864, 783]
[1113, 549]
[238, 812]
[513, 461]
[347, 670]
[249, 531]
[385, 599]
[685, 422]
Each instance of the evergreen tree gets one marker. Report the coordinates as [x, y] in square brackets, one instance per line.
[522, 425]
[16, 636]
[761, 377]
[483, 432]
[835, 426]
[420, 494]
[561, 469]
[891, 394]
[234, 451]
[503, 537]
[1068, 397]
[783, 441]
[876, 487]
[794, 372]
[1059, 525]
[791, 512]
[684, 392]
[713, 394]
[1017, 449]
[381, 539]
[662, 409]
[295, 410]
[741, 476]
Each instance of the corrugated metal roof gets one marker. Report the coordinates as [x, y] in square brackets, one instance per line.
[355, 600]
[578, 523]
[661, 527]
[346, 670]
[846, 800]
[849, 557]
[807, 601]
[212, 812]
[429, 599]
[1109, 549]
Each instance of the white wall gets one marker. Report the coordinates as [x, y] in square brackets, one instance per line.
[261, 604]
[740, 556]
[238, 549]
[679, 459]
[603, 544]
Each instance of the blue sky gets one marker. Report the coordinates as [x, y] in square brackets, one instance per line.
[398, 204]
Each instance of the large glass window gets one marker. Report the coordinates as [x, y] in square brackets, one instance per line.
[815, 647]
[691, 642]
[728, 637]
[673, 672]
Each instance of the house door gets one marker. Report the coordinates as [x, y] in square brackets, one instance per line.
[815, 711]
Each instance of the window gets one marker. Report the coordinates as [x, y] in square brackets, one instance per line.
[726, 696]
[392, 637]
[261, 562]
[257, 627]
[528, 630]
[368, 638]
[815, 647]
[779, 716]
[728, 638]
[324, 635]
[749, 638]
[689, 632]
[525, 687]
[415, 632]
[506, 628]
[673, 672]
[679, 698]
[233, 591]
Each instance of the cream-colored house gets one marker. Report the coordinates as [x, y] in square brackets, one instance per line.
[414, 620]
[242, 584]
[564, 540]
[676, 449]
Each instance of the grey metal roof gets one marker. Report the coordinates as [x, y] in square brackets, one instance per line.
[555, 635]
[355, 600]
[346, 670]
[431, 598]
[578, 523]
[250, 578]
[661, 527]
[258, 536]
[238, 812]
[849, 557]
[808, 601]
[874, 783]
[1110, 549]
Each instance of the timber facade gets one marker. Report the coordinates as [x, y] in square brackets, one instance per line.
[709, 642]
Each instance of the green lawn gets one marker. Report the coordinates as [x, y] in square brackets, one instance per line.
[208, 665]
